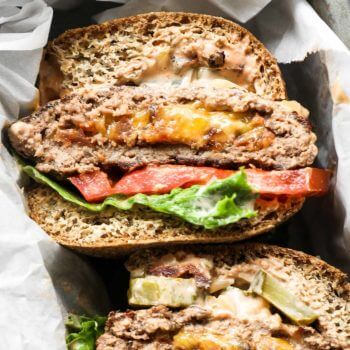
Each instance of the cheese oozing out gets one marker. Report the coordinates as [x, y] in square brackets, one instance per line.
[188, 124]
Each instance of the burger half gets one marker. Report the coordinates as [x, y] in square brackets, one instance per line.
[129, 166]
[198, 149]
[252, 296]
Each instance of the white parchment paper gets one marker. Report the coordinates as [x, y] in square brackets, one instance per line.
[40, 281]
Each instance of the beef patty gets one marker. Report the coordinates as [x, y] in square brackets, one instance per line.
[129, 127]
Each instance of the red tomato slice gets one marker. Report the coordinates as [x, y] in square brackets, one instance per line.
[301, 182]
[94, 186]
[162, 179]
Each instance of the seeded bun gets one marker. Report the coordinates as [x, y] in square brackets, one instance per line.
[118, 52]
[116, 232]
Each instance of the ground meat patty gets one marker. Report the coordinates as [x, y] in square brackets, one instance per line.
[155, 328]
[147, 329]
[36, 137]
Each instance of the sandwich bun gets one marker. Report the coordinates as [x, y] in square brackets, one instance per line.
[133, 50]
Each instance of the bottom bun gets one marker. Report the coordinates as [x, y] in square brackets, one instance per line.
[115, 232]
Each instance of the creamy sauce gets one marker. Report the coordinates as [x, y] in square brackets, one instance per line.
[177, 64]
[165, 58]
[233, 302]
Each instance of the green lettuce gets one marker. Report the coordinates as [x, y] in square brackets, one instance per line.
[83, 331]
[216, 204]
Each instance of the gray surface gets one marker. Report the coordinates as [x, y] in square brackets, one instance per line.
[78, 16]
[336, 13]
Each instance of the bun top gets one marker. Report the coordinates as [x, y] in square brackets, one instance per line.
[159, 48]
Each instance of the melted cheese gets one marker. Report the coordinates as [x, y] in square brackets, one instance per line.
[189, 124]
[190, 340]
[210, 340]
[185, 124]
[195, 126]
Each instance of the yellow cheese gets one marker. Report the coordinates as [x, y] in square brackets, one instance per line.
[141, 119]
[195, 126]
[205, 341]
[208, 340]
[272, 343]
[189, 124]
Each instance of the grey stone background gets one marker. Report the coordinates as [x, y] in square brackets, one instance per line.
[336, 13]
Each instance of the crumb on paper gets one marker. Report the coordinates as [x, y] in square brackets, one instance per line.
[338, 94]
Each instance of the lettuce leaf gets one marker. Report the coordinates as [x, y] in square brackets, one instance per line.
[83, 331]
[216, 204]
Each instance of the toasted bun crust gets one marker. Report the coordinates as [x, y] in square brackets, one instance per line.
[321, 286]
[115, 232]
[113, 53]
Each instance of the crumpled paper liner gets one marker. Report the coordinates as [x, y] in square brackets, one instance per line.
[39, 280]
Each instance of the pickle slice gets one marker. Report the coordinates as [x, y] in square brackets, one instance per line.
[156, 290]
[270, 289]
